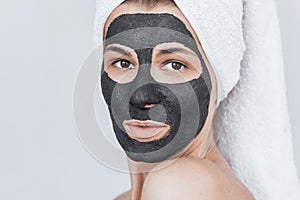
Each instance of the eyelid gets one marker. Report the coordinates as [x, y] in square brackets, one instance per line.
[118, 50]
[175, 57]
[119, 60]
[173, 61]
[114, 56]
[177, 51]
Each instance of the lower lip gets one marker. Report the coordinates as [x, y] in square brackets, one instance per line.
[140, 132]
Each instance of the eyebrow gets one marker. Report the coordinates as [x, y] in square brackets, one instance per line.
[174, 50]
[118, 50]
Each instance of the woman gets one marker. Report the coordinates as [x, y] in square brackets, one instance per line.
[154, 62]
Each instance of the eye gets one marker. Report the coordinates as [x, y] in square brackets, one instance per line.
[174, 66]
[123, 64]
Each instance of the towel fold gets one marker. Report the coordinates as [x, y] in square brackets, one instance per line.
[253, 122]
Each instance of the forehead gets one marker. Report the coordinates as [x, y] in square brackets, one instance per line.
[140, 20]
[160, 9]
[142, 30]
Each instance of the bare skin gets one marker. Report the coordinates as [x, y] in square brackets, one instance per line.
[188, 175]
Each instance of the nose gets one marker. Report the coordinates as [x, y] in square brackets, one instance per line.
[145, 97]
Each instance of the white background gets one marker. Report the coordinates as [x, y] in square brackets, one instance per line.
[42, 45]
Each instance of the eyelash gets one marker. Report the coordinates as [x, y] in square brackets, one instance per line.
[163, 66]
[172, 61]
[119, 67]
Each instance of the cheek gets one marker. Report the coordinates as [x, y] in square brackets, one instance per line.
[122, 76]
[107, 85]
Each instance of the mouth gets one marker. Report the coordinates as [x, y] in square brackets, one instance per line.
[145, 131]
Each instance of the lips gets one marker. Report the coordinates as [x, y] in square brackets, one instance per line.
[145, 130]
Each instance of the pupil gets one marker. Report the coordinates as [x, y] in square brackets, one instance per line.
[176, 65]
[125, 64]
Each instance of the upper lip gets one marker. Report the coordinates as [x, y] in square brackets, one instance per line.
[147, 123]
[145, 131]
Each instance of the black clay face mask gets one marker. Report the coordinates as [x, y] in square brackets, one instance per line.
[183, 106]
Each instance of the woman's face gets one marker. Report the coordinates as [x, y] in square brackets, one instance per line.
[156, 82]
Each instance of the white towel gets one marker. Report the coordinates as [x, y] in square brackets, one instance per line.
[241, 39]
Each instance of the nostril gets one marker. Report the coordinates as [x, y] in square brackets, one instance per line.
[149, 105]
[145, 105]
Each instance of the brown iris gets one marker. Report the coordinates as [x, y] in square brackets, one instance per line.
[176, 65]
[125, 64]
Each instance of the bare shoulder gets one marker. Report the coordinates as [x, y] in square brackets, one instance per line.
[124, 196]
[192, 178]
